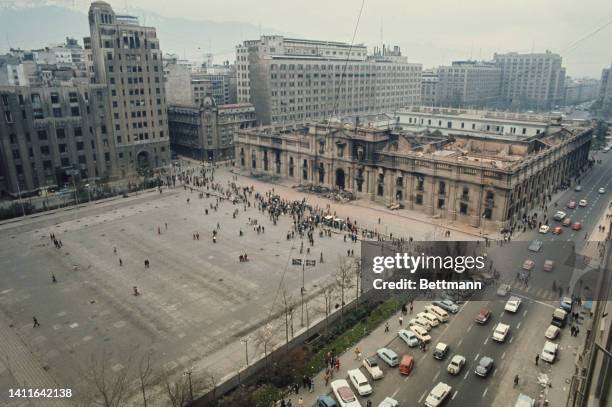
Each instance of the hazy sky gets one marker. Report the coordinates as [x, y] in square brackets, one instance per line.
[430, 32]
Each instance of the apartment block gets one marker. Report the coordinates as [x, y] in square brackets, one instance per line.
[468, 84]
[126, 57]
[429, 87]
[531, 81]
[294, 80]
[54, 135]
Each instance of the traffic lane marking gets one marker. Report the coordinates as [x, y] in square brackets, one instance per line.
[454, 394]
[422, 396]
[395, 392]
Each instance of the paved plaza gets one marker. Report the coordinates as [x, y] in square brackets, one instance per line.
[196, 302]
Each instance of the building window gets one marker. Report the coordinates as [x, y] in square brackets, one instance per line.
[44, 150]
[74, 111]
[418, 199]
[57, 112]
[42, 134]
[463, 208]
[8, 116]
[80, 146]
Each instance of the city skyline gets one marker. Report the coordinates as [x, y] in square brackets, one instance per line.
[582, 45]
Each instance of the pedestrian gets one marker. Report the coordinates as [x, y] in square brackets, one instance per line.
[577, 331]
[166, 225]
[115, 250]
[357, 353]
[337, 364]
[537, 359]
[386, 327]
[53, 279]
[411, 307]
[120, 263]
[369, 403]
[400, 320]
[35, 322]
[300, 402]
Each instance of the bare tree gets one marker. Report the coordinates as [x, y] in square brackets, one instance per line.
[145, 376]
[264, 337]
[327, 293]
[357, 274]
[288, 310]
[343, 280]
[177, 390]
[110, 386]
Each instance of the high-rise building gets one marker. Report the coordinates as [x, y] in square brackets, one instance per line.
[578, 90]
[429, 87]
[531, 81]
[604, 97]
[468, 84]
[185, 85]
[294, 80]
[126, 58]
[51, 136]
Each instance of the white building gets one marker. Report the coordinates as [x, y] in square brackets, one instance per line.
[468, 84]
[470, 122]
[429, 87]
[531, 81]
[293, 80]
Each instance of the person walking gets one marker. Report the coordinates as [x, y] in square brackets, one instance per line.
[400, 320]
[53, 279]
[35, 322]
[120, 263]
[537, 359]
[386, 327]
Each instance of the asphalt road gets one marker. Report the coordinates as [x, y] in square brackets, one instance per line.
[527, 326]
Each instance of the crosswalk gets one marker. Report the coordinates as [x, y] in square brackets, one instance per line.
[536, 292]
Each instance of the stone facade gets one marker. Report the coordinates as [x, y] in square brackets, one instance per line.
[468, 178]
[52, 136]
[206, 131]
[126, 57]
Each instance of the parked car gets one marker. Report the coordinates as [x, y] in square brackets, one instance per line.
[583, 203]
[456, 364]
[549, 352]
[557, 230]
[406, 365]
[500, 332]
[388, 356]
[438, 312]
[360, 382]
[429, 317]
[344, 394]
[548, 265]
[422, 322]
[559, 318]
[440, 351]
[326, 401]
[567, 304]
[484, 367]
[601, 190]
[437, 395]
[571, 204]
[578, 188]
[483, 316]
[528, 265]
[544, 229]
[409, 337]
[513, 304]
[566, 222]
[552, 332]
[535, 245]
[447, 305]
[421, 333]
[371, 365]
[577, 226]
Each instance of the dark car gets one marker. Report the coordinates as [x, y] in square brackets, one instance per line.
[326, 401]
[485, 365]
[440, 351]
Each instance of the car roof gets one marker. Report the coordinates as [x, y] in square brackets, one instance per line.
[485, 360]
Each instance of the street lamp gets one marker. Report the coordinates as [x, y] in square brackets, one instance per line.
[188, 374]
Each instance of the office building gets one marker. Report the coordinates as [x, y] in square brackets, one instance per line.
[429, 87]
[579, 90]
[205, 131]
[292, 80]
[468, 84]
[52, 136]
[531, 81]
[126, 57]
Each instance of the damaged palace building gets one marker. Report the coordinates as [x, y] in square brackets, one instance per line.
[480, 168]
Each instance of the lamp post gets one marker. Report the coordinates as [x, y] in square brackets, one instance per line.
[188, 374]
[245, 340]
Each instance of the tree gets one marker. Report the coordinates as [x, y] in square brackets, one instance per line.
[357, 273]
[344, 281]
[110, 387]
[263, 337]
[145, 376]
[288, 306]
[178, 391]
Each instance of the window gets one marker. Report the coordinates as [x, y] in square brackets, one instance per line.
[418, 199]
[80, 146]
[60, 133]
[44, 150]
[42, 134]
[16, 154]
[54, 98]
[463, 208]
[62, 148]
[13, 138]
[8, 116]
[74, 111]
[5, 100]
[78, 132]
[73, 97]
[57, 112]
[82, 159]
[65, 162]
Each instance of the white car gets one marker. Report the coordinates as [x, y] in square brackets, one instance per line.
[422, 322]
[389, 402]
[456, 364]
[549, 352]
[360, 382]
[421, 333]
[583, 202]
[552, 332]
[371, 365]
[437, 395]
[500, 332]
[560, 215]
[513, 304]
[601, 190]
[544, 229]
[429, 317]
[503, 290]
[409, 337]
[344, 394]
